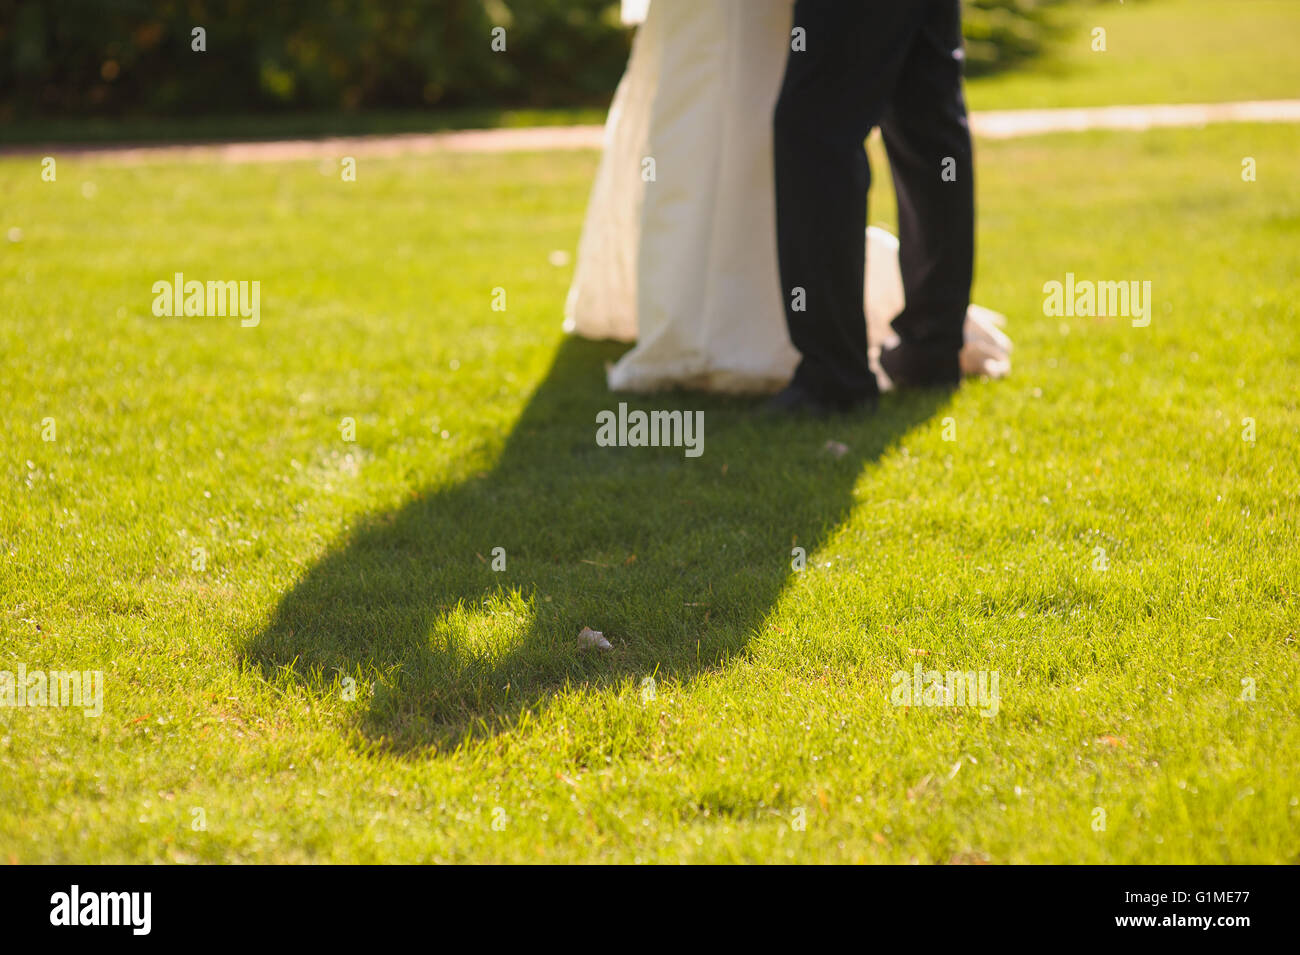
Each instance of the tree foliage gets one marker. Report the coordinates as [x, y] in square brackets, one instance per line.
[109, 57]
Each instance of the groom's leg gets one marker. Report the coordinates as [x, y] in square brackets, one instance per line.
[928, 139]
[836, 89]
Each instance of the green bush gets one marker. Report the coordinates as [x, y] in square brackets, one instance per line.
[112, 56]
[1002, 33]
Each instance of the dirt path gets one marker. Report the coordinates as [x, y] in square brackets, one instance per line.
[996, 124]
[1010, 123]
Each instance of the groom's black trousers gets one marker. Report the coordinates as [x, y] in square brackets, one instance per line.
[896, 64]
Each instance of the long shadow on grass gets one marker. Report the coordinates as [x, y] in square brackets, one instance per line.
[677, 560]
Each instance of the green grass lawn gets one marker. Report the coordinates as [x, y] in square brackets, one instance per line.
[329, 562]
[1158, 51]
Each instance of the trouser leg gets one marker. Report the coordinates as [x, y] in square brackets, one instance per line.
[927, 137]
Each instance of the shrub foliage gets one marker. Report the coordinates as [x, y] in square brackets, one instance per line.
[96, 57]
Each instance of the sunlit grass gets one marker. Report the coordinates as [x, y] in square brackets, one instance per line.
[1157, 51]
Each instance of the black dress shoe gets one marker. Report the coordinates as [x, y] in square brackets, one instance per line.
[913, 368]
[793, 400]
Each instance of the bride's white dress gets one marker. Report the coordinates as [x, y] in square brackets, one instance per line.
[678, 250]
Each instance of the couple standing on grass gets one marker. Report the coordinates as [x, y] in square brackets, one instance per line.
[726, 232]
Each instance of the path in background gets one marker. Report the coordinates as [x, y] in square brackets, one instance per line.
[994, 124]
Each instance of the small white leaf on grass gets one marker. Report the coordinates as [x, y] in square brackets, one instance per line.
[592, 638]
